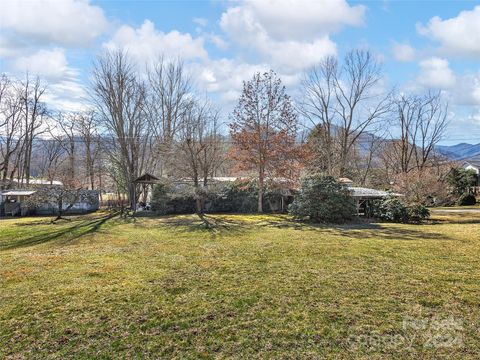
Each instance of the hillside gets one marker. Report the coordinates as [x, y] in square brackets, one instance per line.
[460, 151]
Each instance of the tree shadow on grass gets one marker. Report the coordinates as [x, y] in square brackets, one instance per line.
[214, 224]
[74, 230]
[383, 233]
[365, 229]
[219, 225]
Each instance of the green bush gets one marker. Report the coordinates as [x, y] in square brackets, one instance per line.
[165, 200]
[323, 199]
[460, 180]
[239, 196]
[393, 209]
[466, 200]
[417, 213]
[159, 199]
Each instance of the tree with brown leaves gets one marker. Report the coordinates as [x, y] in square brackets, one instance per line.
[263, 131]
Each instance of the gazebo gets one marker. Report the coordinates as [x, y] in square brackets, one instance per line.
[145, 181]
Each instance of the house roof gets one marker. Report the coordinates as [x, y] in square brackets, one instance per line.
[473, 163]
[362, 192]
[45, 182]
[18, 192]
[225, 178]
[34, 182]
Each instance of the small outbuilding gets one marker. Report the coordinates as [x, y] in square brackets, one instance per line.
[364, 197]
[14, 202]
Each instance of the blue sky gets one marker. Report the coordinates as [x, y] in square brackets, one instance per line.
[421, 45]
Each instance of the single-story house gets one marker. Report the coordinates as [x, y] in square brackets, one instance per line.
[473, 164]
[363, 196]
[16, 202]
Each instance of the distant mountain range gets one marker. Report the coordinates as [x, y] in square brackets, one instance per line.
[460, 151]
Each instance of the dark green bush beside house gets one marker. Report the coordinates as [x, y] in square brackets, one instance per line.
[323, 199]
[417, 213]
[393, 209]
[390, 209]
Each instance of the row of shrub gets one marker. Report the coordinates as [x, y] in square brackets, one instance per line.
[237, 197]
[319, 199]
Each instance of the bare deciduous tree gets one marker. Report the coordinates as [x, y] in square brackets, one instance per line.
[51, 158]
[345, 101]
[198, 148]
[66, 135]
[317, 107]
[86, 125]
[421, 122]
[168, 101]
[11, 128]
[120, 98]
[34, 113]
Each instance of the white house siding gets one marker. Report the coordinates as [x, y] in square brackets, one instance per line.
[474, 168]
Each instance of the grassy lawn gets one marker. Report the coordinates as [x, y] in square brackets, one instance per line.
[244, 287]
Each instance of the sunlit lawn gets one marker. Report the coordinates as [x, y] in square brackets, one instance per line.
[243, 287]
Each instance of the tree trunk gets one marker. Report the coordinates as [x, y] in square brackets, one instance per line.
[260, 192]
[199, 205]
[198, 199]
[132, 196]
[60, 208]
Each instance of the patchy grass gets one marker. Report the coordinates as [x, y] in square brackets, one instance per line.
[236, 286]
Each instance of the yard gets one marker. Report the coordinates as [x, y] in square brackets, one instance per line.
[243, 287]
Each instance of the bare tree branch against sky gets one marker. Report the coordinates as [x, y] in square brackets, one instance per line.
[421, 46]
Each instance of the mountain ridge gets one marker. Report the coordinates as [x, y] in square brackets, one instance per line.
[461, 151]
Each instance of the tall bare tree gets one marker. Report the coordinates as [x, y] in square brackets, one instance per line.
[34, 114]
[420, 122]
[86, 125]
[169, 98]
[66, 134]
[317, 107]
[120, 98]
[346, 101]
[50, 158]
[198, 147]
[11, 128]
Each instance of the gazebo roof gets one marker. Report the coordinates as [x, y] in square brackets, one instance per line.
[146, 179]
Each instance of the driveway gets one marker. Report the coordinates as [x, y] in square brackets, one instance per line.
[457, 210]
